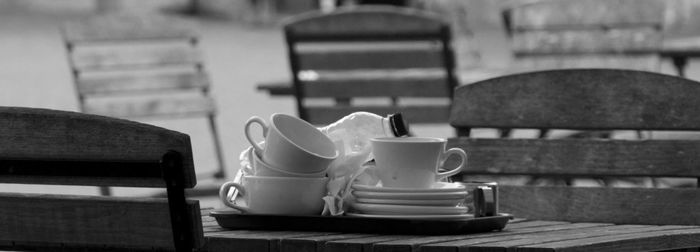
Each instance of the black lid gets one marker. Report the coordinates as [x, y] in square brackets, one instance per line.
[398, 125]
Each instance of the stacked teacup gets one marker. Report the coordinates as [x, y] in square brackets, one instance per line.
[288, 174]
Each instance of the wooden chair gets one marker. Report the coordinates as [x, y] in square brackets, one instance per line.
[552, 34]
[139, 67]
[49, 147]
[585, 99]
[380, 59]
[563, 34]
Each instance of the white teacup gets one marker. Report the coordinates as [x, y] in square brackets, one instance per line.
[263, 169]
[292, 144]
[413, 162]
[277, 195]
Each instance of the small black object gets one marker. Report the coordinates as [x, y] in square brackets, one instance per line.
[235, 220]
[398, 125]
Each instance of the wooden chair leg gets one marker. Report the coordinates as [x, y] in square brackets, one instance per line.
[221, 171]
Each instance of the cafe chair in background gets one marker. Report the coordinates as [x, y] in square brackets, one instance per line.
[585, 99]
[556, 34]
[380, 59]
[551, 34]
[50, 147]
[141, 67]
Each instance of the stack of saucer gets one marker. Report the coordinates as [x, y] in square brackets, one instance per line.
[442, 201]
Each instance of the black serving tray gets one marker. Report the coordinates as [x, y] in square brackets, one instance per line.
[232, 219]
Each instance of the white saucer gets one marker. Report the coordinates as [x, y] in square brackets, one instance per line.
[422, 202]
[411, 196]
[407, 209]
[415, 217]
[439, 187]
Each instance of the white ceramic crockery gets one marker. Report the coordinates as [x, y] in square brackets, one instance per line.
[277, 195]
[413, 162]
[261, 168]
[437, 187]
[292, 144]
[410, 196]
[369, 208]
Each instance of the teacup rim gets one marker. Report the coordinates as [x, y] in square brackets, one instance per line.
[320, 155]
[257, 158]
[284, 178]
[409, 140]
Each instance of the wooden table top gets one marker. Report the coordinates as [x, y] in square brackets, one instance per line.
[519, 235]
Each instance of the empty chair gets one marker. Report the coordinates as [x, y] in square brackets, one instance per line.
[380, 59]
[585, 99]
[50, 147]
[550, 34]
[140, 67]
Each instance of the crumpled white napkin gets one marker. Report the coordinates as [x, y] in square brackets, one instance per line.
[342, 172]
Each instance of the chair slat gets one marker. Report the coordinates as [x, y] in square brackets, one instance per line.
[98, 173]
[624, 29]
[378, 87]
[581, 157]
[616, 40]
[603, 204]
[115, 27]
[587, 12]
[105, 58]
[89, 85]
[50, 135]
[380, 22]
[371, 59]
[135, 108]
[91, 221]
[579, 99]
[644, 62]
[413, 114]
[370, 51]
[118, 56]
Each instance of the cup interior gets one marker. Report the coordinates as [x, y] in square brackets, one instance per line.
[304, 135]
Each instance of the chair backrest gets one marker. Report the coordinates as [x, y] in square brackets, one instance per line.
[585, 99]
[379, 59]
[550, 34]
[140, 66]
[40, 146]
[144, 59]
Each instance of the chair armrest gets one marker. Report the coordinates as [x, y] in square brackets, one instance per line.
[276, 88]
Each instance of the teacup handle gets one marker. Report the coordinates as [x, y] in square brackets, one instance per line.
[448, 153]
[223, 195]
[258, 120]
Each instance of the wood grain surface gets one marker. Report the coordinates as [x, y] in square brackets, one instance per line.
[90, 221]
[519, 234]
[371, 51]
[579, 99]
[614, 34]
[43, 134]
